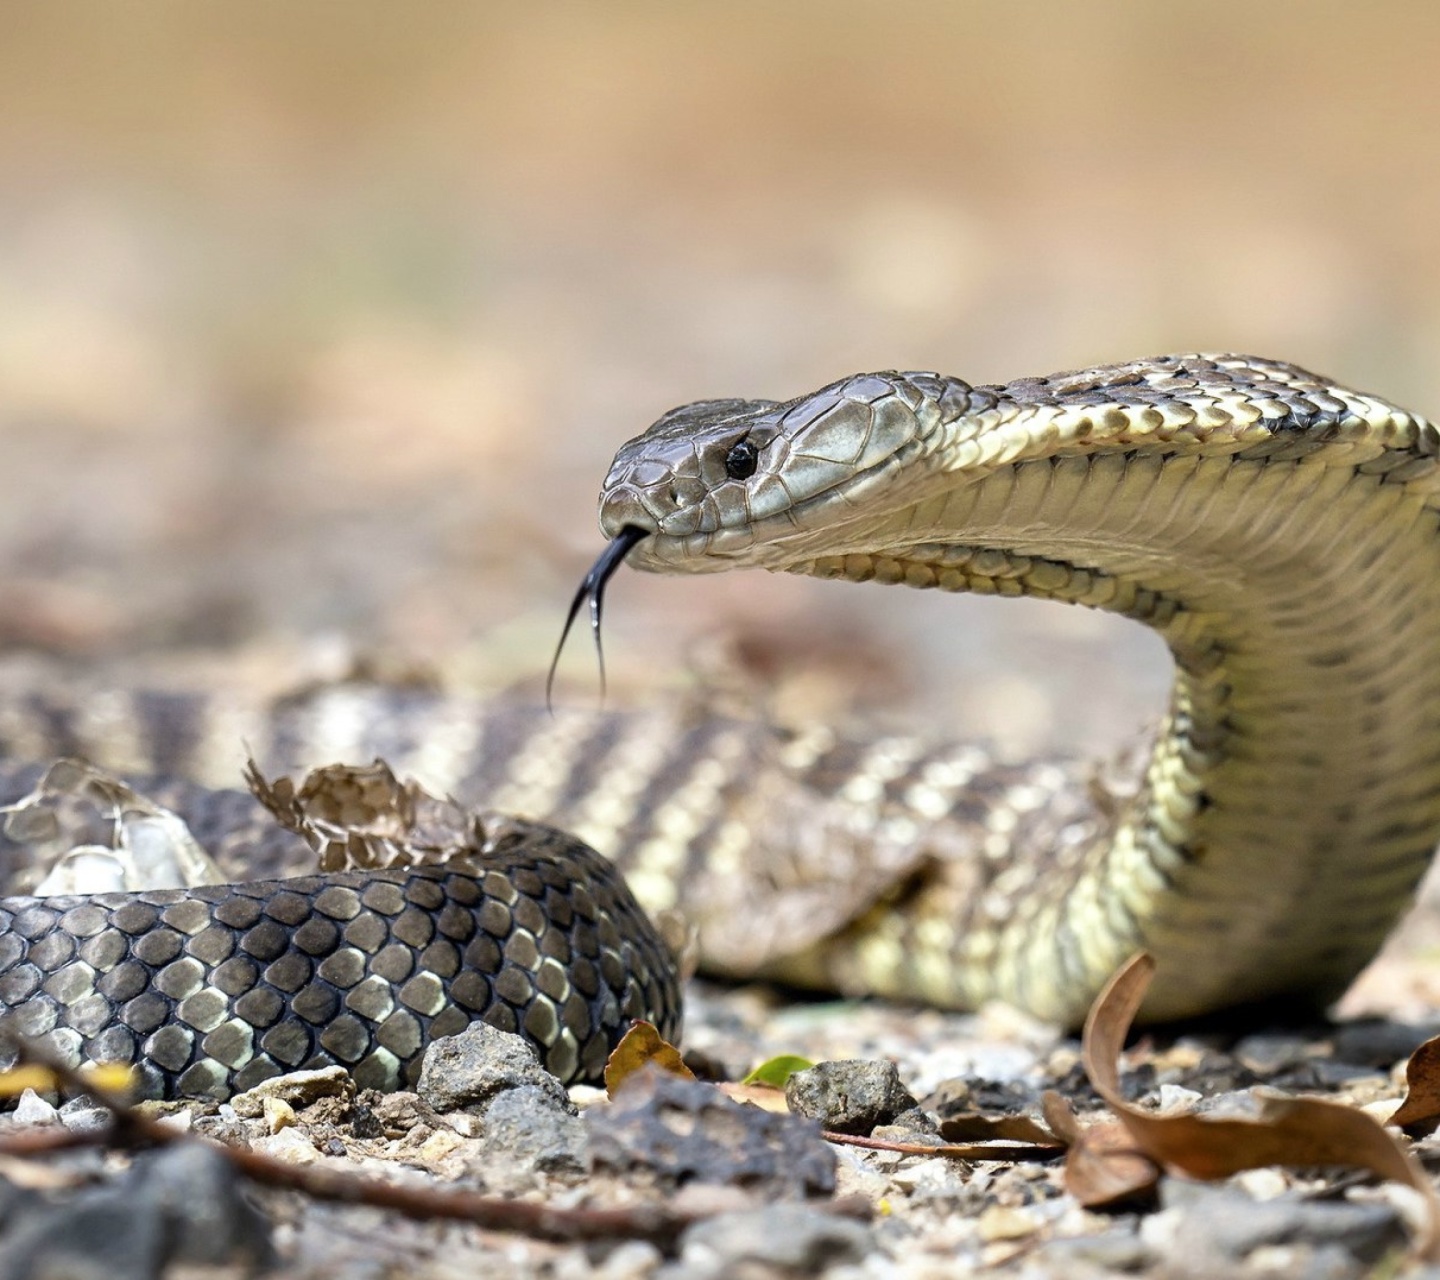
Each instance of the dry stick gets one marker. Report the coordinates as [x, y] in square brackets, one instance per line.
[656, 1223]
[38, 1141]
[1014, 1152]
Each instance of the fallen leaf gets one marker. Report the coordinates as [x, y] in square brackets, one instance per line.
[1289, 1131]
[1421, 1106]
[973, 1126]
[642, 1046]
[778, 1070]
[765, 1096]
[1103, 1168]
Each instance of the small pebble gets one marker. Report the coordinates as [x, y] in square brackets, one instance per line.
[915, 1173]
[789, 1238]
[1001, 1222]
[1262, 1184]
[289, 1145]
[33, 1109]
[85, 1115]
[278, 1114]
[439, 1145]
[298, 1089]
[1176, 1098]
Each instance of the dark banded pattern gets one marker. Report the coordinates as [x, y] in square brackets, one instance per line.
[213, 989]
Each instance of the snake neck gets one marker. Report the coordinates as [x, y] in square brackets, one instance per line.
[1289, 806]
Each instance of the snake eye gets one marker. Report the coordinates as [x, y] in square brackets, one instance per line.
[741, 461]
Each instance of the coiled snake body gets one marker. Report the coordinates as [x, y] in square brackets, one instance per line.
[1277, 530]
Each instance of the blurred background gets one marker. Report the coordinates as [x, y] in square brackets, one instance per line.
[319, 323]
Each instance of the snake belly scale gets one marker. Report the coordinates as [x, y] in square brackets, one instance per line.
[1277, 530]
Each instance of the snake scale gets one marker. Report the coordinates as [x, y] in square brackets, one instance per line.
[1277, 530]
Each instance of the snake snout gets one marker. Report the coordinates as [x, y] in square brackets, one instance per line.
[625, 506]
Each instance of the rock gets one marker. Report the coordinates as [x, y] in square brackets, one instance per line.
[915, 1125]
[525, 1131]
[396, 1114]
[278, 1114]
[1378, 1042]
[298, 1089]
[632, 1260]
[852, 1096]
[209, 1221]
[289, 1145]
[107, 1234]
[1269, 1053]
[1007, 1222]
[682, 1131]
[1213, 1228]
[1114, 1251]
[16, 1203]
[84, 1115]
[789, 1239]
[470, 1069]
[181, 1205]
[33, 1109]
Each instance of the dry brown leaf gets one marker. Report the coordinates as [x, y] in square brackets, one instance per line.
[765, 1096]
[1289, 1131]
[1103, 1168]
[971, 1126]
[642, 1046]
[1422, 1088]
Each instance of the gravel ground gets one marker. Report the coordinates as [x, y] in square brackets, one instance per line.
[487, 1118]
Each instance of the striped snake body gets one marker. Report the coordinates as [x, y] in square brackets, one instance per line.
[1278, 531]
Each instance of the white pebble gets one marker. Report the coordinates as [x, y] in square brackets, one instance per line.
[33, 1109]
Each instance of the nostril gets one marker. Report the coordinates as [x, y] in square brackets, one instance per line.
[621, 506]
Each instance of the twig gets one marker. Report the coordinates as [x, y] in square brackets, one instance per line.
[40, 1141]
[1015, 1152]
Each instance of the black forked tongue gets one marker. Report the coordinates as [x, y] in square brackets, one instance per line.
[593, 590]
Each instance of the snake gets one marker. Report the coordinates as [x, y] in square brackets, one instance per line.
[1276, 529]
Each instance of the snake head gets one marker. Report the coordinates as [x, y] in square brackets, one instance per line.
[721, 482]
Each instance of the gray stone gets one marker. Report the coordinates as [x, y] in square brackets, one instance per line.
[1219, 1226]
[1114, 1250]
[1269, 1053]
[915, 1125]
[526, 1131]
[789, 1238]
[851, 1096]
[470, 1069]
[16, 1203]
[1378, 1042]
[181, 1205]
[680, 1132]
[208, 1218]
[84, 1115]
[108, 1234]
